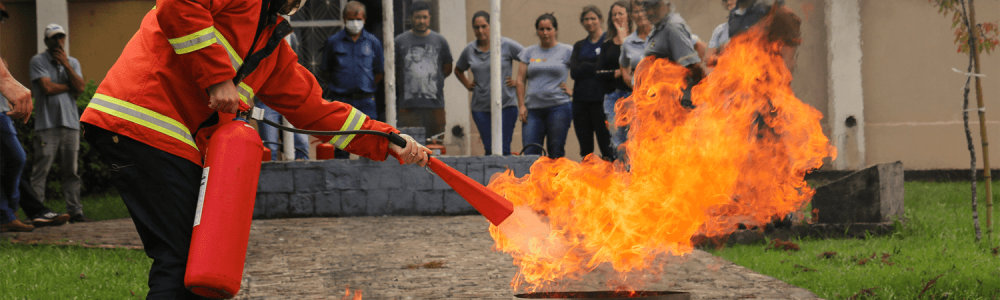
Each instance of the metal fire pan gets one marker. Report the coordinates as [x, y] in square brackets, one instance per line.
[608, 295]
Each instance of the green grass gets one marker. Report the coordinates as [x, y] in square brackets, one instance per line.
[936, 251]
[74, 272]
[71, 272]
[99, 207]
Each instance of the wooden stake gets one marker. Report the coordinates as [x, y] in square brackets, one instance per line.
[974, 36]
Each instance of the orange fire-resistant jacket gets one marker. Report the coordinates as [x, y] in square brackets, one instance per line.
[156, 92]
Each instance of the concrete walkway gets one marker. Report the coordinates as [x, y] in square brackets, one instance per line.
[317, 258]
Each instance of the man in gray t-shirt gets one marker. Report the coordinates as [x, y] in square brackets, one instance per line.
[55, 82]
[423, 61]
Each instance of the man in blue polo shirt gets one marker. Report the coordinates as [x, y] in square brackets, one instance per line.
[353, 61]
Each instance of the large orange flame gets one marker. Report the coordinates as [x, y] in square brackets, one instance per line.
[738, 157]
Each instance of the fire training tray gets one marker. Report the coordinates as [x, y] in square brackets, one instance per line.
[609, 295]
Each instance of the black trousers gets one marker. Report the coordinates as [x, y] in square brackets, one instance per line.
[588, 121]
[161, 193]
[29, 201]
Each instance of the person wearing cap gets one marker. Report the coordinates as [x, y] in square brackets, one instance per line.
[55, 82]
[150, 118]
[671, 40]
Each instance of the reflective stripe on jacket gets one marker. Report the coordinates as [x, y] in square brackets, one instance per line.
[156, 92]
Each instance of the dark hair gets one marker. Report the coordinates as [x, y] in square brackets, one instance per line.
[483, 14]
[589, 9]
[547, 16]
[355, 6]
[612, 29]
[418, 6]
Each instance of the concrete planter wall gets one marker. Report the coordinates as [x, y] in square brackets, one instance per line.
[337, 187]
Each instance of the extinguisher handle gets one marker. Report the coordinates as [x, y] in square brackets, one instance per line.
[398, 140]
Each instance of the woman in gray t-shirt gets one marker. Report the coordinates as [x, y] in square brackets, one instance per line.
[543, 100]
[476, 57]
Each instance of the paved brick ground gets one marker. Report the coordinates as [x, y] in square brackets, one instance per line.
[317, 258]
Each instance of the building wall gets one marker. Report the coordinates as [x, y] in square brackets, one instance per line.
[912, 97]
[17, 38]
[100, 30]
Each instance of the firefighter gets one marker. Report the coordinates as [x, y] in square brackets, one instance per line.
[172, 83]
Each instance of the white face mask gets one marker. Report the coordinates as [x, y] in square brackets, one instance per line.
[355, 26]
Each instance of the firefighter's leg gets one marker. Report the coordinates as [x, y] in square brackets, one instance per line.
[161, 193]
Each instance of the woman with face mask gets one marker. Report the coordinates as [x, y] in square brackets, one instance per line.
[476, 58]
[543, 101]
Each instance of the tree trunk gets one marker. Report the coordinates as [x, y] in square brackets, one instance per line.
[972, 153]
[973, 39]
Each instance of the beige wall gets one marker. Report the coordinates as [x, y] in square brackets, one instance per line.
[17, 38]
[100, 31]
[912, 96]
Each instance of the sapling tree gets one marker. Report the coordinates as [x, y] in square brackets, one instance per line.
[973, 38]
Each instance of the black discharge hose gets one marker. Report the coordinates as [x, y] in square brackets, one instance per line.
[394, 138]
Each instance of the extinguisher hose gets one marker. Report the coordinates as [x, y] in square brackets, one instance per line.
[393, 137]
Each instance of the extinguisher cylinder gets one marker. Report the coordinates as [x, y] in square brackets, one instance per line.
[224, 212]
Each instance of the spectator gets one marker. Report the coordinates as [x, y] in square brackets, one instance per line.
[271, 136]
[634, 45]
[40, 215]
[542, 98]
[423, 61]
[55, 82]
[12, 159]
[784, 26]
[610, 74]
[719, 36]
[157, 167]
[16, 103]
[476, 57]
[670, 40]
[353, 58]
[588, 92]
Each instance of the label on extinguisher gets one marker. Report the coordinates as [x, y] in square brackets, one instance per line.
[201, 196]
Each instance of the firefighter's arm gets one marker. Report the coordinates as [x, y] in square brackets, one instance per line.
[189, 28]
[294, 93]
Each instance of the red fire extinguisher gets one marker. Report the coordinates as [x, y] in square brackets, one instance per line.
[225, 210]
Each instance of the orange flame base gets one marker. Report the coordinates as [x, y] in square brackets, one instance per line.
[738, 157]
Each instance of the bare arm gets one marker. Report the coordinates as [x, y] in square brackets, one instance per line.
[76, 83]
[52, 88]
[522, 73]
[627, 76]
[18, 96]
[378, 77]
[469, 85]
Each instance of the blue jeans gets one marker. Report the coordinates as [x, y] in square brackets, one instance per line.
[272, 138]
[12, 160]
[548, 126]
[485, 125]
[618, 134]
